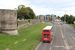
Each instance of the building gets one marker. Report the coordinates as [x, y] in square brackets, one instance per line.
[47, 17]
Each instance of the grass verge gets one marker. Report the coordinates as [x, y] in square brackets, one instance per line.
[32, 34]
[72, 25]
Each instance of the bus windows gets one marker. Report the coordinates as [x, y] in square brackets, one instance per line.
[46, 34]
[46, 30]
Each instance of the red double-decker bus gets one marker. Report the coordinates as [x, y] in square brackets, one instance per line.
[47, 34]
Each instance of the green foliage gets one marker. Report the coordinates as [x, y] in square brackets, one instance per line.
[25, 12]
[69, 19]
[50, 18]
[73, 18]
[32, 34]
[31, 13]
[26, 21]
[58, 17]
[17, 23]
[72, 25]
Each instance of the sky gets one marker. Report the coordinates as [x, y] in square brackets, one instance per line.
[43, 7]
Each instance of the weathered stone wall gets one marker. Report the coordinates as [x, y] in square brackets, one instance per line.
[42, 18]
[35, 21]
[23, 24]
[9, 21]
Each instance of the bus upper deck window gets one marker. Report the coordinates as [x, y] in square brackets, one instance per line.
[46, 30]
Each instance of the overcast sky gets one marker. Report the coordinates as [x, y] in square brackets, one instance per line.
[42, 7]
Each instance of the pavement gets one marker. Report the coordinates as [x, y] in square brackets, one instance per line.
[63, 39]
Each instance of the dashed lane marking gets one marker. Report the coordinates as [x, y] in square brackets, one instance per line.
[51, 42]
[50, 48]
[65, 42]
[70, 28]
[38, 45]
[72, 36]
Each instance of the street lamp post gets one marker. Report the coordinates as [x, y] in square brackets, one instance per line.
[64, 20]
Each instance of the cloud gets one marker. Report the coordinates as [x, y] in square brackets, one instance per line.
[10, 4]
[42, 7]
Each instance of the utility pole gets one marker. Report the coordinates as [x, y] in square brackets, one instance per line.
[64, 19]
[66, 45]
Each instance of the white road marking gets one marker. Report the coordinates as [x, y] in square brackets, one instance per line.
[51, 42]
[53, 37]
[38, 45]
[50, 48]
[67, 47]
[58, 46]
[72, 36]
[70, 28]
[61, 33]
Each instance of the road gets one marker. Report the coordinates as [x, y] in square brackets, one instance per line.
[63, 39]
[69, 36]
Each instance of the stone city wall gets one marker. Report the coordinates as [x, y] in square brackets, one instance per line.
[35, 21]
[42, 18]
[8, 21]
[23, 24]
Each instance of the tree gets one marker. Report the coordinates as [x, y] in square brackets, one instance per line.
[22, 12]
[70, 19]
[31, 13]
[25, 12]
[65, 17]
[73, 18]
[62, 18]
[58, 17]
[50, 18]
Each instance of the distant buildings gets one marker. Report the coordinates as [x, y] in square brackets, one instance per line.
[47, 17]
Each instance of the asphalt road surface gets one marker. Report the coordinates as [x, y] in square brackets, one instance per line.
[69, 35]
[63, 39]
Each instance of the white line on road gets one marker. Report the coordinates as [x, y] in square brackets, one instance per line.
[67, 47]
[51, 42]
[61, 33]
[50, 48]
[72, 36]
[38, 45]
[70, 28]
